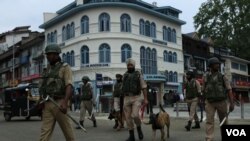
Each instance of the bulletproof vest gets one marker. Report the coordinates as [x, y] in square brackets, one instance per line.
[191, 89]
[117, 89]
[86, 92]
[215, 88]
[131, 83]
[52, 84]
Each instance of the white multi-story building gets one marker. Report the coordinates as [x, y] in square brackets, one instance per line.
[97, 36]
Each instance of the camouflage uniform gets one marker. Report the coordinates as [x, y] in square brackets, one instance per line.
[54, 81]
[216, 88]
[133, 83]
[86, 98]
[118, 102]
[193, 90]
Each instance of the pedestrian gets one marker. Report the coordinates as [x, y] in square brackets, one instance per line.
[216, 91]
[201, 105]
[118, 103]
[165, 99]
[133, 84]
[87, 102]
[57, 83]
[193, 91]
[150, 98]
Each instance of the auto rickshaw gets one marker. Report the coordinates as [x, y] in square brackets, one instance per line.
[21, 101]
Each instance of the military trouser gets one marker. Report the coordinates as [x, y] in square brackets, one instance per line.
[132, 106]
[51, 114]
[211, 108]
[117, 104]
[192, 103]
[86, 105]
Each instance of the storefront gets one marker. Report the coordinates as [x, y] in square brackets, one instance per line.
[241, 88]
[157, 85]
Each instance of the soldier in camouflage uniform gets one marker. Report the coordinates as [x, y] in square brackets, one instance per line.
[57, 83]
[87, 102]
[133, 84]
[118, 102]
[216, 91]
[193, 91]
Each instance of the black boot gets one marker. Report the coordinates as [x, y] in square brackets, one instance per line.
[116, 124]
[131, 136]
[201, 118]
[81, 123]
[197, 125]
[140, 134]
[188, 126]
[94, 123]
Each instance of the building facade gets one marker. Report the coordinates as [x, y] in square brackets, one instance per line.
[97, 37]
[21, 57]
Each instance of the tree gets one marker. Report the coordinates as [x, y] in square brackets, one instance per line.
[227, 22]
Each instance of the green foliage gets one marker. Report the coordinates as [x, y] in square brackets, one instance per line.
[227, 22]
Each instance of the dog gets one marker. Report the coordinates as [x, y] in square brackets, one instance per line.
[119, 117]
[159, 121]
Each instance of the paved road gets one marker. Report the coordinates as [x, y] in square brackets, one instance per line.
[19, 129]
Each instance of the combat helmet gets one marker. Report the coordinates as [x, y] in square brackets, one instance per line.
[191, 73]
[118, 75]
[213, 60]
[52, 48]
[85, 78]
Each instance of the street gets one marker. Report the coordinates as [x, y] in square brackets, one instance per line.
[20, 129]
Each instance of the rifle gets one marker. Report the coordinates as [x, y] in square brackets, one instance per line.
[56, 104]
[224, 119]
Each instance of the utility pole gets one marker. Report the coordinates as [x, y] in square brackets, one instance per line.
[13, 62]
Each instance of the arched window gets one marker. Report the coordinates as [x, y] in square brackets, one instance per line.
[166, 74]
[169, 34]
[72, 30]
[147, 28]
[154, 62]
[175, 77]
[125, 52]
[174, 57]
[85, 25]
[125, 23]
[142, 27]
[143, 58]
[68, 32]
[72, 58]
[104, 53]
[64, 57]
[148, 60]
[48, 38]
[55, 37]
[170, 76]
[52, 37]
[165, 33]
[64, 33]
[153, 30]
[170, 57]
[104, 22]
[165, 56]
[68, 58]
[85, 55]
[174, 36]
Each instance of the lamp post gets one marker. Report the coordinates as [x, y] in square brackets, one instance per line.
[13, 62]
